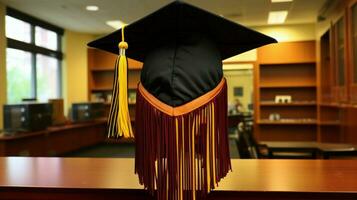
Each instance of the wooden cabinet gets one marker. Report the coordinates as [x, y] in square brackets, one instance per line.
[352, 37]
[286, 69]
[340, 60]
[338, 74]
[101, 76]
[329, 113]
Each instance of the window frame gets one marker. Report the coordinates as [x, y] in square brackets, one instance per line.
[34, 49]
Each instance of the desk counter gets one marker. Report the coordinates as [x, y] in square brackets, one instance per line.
[108, 178]
[54, 140]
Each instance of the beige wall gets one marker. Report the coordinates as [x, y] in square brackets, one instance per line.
[243, 57]
[289, 33]
[2, 62]
[74, 68]
[240, 78]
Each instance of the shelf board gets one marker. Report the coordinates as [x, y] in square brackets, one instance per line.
[288, 122]
[101, 89]
[289, 86]
[330, 123]
[296, 103]
[107, 69]
[290, 63]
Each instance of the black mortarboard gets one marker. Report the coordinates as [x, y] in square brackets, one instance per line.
[181, 111]
[175, 21]
[182, 45]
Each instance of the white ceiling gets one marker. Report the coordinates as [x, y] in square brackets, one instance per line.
[71, 14]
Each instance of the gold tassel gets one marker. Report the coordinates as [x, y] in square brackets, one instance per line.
[119, 118]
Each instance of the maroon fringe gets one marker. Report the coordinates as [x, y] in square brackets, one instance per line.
[166, 157]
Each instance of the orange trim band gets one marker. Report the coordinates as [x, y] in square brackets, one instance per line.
[183, 109]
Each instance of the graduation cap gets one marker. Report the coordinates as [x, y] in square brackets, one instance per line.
[181, 108]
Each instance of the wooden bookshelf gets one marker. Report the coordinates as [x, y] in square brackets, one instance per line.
[286, 69]
[288, 122]
[101, 76]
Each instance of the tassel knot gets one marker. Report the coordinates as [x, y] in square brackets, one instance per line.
[123, 45]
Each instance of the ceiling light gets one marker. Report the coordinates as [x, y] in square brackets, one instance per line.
[92, 8]
[277, 17]
[280, 1]
[117, 24]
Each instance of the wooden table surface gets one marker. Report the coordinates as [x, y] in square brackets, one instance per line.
[118, 173]
[283, 144]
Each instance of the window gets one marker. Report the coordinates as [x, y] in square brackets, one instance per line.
[45, 38]
[47, 73]
[17, 29]
[33, 61]
[19, 75]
